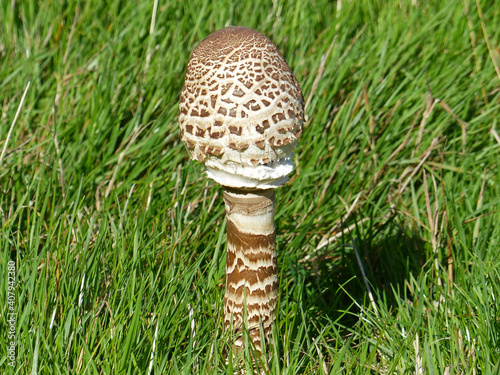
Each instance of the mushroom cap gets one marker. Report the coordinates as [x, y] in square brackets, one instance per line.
[241, 109]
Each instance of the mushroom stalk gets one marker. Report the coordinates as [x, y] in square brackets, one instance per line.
[241, 113]
[251, 265]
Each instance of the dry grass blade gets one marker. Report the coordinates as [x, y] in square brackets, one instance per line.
[433, 218]
[365, 279]
[479, 205]
[430, 102]
[321, 70]
[400, 147]
[151, 358]
[472, 36]
[462, 123]
[495, 135]
[417, 168]
[58, 151]
[418, 356]
[111, 184]
[60, 82]
[487, 39]
[14, 122]
[149, 53]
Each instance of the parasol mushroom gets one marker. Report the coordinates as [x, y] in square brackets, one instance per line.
[241, 114]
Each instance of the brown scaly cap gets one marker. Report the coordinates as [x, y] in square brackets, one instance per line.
[241, 109]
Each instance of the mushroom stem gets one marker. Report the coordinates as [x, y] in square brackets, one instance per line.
[251, 265]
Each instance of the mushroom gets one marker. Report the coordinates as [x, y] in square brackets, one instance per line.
[241, 114]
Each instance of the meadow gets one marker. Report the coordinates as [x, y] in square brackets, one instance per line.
[388, 231]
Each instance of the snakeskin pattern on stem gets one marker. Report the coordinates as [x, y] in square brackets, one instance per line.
[251, 267]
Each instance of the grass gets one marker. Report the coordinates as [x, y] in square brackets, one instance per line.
[388, 233]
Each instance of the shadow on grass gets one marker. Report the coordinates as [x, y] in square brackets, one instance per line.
[335, 278]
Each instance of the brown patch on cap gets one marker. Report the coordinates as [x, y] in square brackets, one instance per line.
[238, 92]
[260, 144]
[213, 150]
[235, 129]
[217, 151]
[199, 132]
[217, 134]
[200, 156]
[238, 145]
[225, 88]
